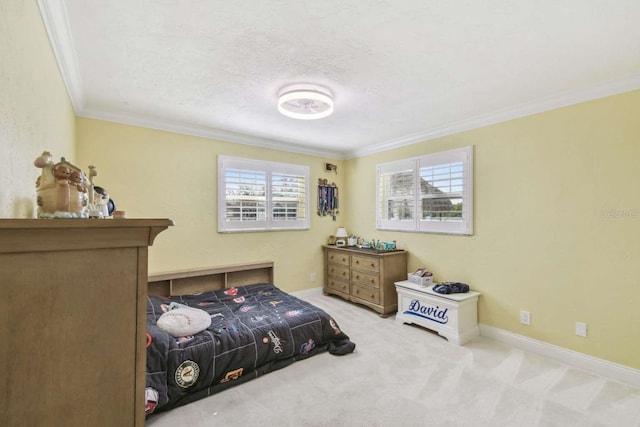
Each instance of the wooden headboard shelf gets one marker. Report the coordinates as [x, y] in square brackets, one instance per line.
[184, 282]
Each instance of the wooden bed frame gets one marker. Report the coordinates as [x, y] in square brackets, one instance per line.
[190, 281]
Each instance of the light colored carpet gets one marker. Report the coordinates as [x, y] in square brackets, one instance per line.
[403, 375]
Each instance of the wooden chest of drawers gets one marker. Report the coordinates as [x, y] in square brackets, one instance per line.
[364, 276]
[74, 321]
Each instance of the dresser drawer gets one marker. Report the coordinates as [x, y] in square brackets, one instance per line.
[338, 285]
[368, 279]
[335, 257]
[366, 293]
[338, 272]
[365, 262]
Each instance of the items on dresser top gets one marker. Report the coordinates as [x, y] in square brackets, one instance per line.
[365, 276]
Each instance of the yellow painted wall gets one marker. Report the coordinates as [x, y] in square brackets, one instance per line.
[35, 112]
[557, 224]
[158, 174]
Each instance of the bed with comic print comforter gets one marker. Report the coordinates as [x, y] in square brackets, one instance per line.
[255, 329]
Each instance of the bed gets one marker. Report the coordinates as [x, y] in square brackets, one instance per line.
[251, 328]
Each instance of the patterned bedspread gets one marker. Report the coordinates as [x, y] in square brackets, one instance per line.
[254, 330]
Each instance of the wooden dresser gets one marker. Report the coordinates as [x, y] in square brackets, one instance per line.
[73, 320]
[364, 276]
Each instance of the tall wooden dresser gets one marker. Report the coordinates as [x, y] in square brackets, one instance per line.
[73, 320]
[364, 276]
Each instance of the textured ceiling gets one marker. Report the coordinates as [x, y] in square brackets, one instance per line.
[401, 71]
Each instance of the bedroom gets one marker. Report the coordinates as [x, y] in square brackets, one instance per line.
[562, 247]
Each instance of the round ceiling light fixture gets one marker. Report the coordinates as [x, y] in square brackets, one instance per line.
[306, 102]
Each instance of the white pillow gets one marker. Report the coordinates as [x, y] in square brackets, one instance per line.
[183, 321]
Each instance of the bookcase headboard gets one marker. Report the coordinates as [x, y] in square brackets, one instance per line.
[190, 281]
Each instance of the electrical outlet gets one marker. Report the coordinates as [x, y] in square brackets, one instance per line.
[525, 317]
[312, 277]
[581, 329]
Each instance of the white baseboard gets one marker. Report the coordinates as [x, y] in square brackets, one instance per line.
[313, 292]
[610, 370]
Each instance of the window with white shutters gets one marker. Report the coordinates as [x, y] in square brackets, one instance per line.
[255, 195]
[429, 193]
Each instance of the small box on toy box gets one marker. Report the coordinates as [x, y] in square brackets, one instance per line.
[421, 277]
[420, 280]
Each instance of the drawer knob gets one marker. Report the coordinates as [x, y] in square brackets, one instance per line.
[373, 265]
[373, 281]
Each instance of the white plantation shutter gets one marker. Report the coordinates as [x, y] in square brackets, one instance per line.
[430, 193]
[288, 191]
[396, 195]
[245, 195]
[255, 195]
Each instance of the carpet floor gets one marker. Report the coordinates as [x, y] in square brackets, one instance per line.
[404, 375]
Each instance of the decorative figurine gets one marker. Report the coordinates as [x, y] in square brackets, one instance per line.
[61, 189]
[64, 191]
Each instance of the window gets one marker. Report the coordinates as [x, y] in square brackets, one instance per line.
[431, 193]
[255, 195]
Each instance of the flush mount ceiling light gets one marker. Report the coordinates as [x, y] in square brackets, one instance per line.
[306, 102]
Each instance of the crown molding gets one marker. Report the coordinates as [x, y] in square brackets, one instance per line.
[566, 99]
[54, 18]
[209, 133]
[527, 109]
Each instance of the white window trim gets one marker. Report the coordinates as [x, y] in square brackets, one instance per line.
[465, 226]
[227, 162]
